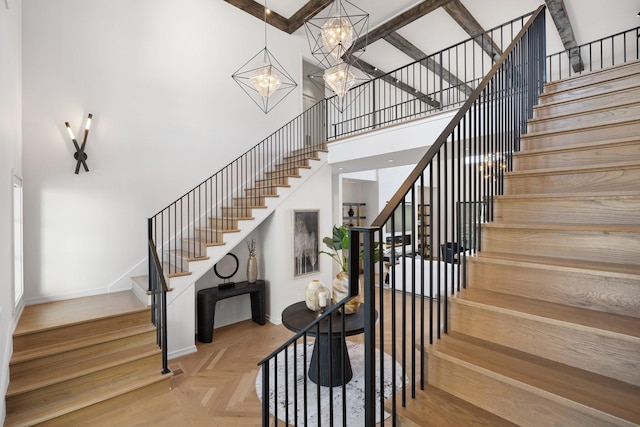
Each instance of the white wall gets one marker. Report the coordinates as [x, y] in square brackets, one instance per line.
[10, 163]
[276, 235]
[156, 74]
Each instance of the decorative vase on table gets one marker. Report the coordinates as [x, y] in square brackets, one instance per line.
[252, 269]
[341, 291]
[313, 295]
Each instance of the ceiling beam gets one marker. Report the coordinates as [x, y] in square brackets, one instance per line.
[465, 19]
[257, 10]
[399, 21]
[559, 14]
[399, 42]
[376, 73]
[306, 12]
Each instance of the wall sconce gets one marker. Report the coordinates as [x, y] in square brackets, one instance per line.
[80, 155]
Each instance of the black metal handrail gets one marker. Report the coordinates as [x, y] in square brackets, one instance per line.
[432, 223]
[605, 52]
[271, 405]
[183, 230]
[158, 290]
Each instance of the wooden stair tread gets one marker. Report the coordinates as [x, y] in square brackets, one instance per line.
[181, 253]
[588, 77]
[605, 228]
[632, 85]
[578, 266]
[624, 327]
[543, 376]
[588, 112]
[444, 410]
[43, 351]
[578, 196]
[577, 147]
[42, 317]
[55, 408]
[532, 135]
[44, 375]
[575, 169]
[216, 230]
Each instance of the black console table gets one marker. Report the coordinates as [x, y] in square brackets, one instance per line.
[207, 299]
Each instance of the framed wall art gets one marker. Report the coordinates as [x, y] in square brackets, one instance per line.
[305, 242]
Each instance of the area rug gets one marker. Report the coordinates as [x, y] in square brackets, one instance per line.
[354, 389]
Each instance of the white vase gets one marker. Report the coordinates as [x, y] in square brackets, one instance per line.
[312, 294]
[252, 269]
[341, 291]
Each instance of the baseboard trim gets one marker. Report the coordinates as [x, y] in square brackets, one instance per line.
[182, 352]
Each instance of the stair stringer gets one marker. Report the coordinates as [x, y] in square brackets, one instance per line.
[181, 300]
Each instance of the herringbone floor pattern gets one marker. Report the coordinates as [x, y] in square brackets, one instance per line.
[215, 387]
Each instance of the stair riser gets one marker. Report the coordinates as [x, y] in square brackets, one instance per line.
[587, 104]
[622, 210]
[270, 191]
[622, 179]
[223, 223]
[282, 174]
[579, 121]
[108, 412]
[85, 329]
[509, 399]
[209, 236]
[32, 369]
[606, 79]
[195, 250]
[618, 295]
[272, 181]
[580, 136]
[580, 157]
[249, 202]
[237, 212]
[80, 385]
[566, 343]
[597, 246]
[292, 164]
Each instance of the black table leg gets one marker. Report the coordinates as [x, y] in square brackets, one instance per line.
[321, 373]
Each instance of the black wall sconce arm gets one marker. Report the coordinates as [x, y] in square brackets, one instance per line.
[80, 155]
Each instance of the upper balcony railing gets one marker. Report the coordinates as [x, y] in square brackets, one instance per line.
[438, 82]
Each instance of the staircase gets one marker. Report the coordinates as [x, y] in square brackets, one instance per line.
[548, 330]
[77, 358]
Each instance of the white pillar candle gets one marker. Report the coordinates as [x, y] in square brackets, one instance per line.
[322, 299]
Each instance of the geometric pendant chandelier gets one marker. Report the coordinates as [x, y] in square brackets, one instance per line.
[263, 78]
[331, 38]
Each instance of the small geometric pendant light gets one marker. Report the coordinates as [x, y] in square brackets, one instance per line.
[263, 78]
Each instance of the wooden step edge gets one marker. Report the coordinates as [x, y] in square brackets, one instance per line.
[442, 409]
[604, 269]
[22, 386]
[596, 195]
[567, 170]
[23, 332]
[205, 244]
[617, 326]
[533, 135]
[283, 175]
[573, 387]
[59, 408]
[216, 230]
[634, 140]
[590, 74]
[543, 102]
[587, 227]
[179, 253]
[578, 114]
[40, 352]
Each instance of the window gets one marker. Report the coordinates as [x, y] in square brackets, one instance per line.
[17, 240]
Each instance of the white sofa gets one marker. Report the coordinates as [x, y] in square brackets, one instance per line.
[439, 268]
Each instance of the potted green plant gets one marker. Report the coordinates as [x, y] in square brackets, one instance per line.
[338, 245]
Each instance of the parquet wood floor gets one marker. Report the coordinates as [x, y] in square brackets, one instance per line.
[214, 387]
